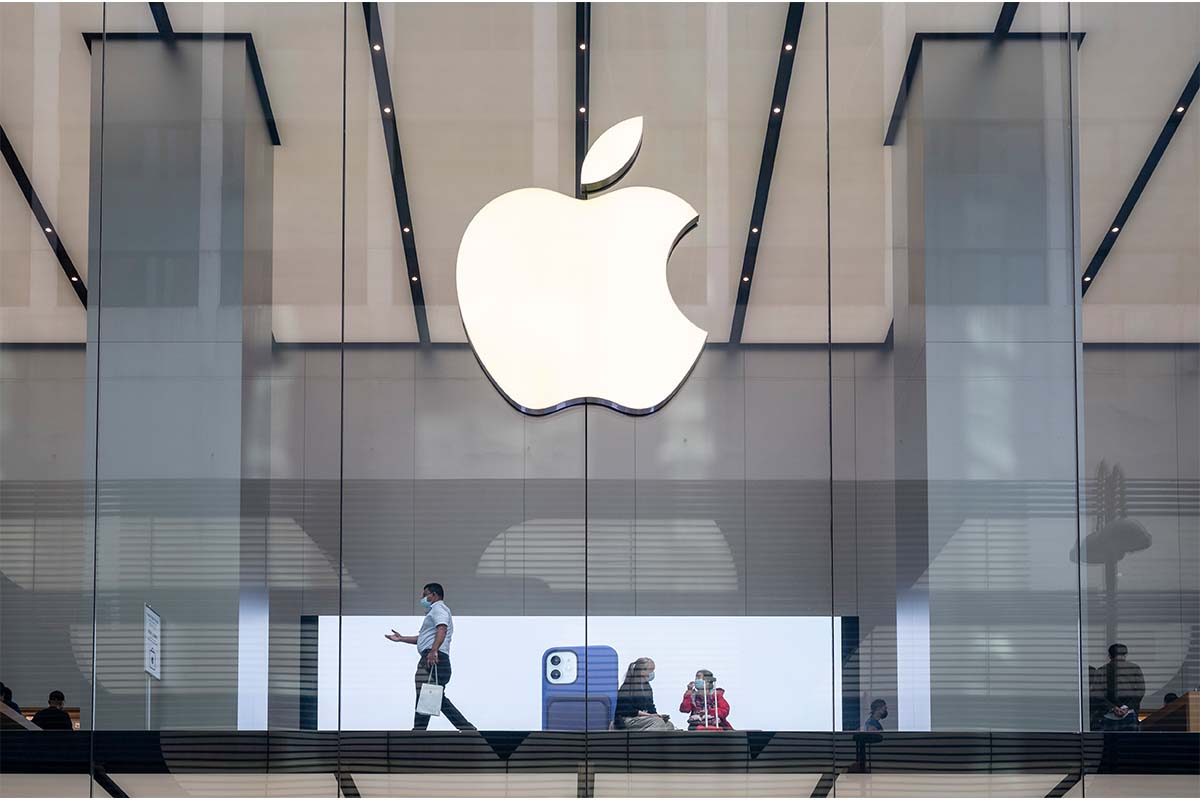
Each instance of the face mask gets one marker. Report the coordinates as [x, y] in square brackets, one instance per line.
[700, 686]
[650, 677]
[425, 604]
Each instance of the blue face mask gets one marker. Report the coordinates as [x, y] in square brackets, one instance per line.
[425, 604]
[650, 677]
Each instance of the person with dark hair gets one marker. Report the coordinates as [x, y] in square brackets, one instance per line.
[874, 721]
[433, 645]
[1124, 688]
[7, 698]
[1169, 697]
[705, 704]
[635, 700]
[53, 718]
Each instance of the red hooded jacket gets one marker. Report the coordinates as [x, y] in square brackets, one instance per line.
[701, 716]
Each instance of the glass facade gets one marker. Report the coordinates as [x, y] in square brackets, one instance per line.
[922, 519]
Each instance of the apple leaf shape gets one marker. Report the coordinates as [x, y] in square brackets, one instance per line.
[611, 156]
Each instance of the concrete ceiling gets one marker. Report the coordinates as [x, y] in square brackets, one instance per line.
[484, 98]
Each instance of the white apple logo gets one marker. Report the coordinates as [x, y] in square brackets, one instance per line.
[565, 301]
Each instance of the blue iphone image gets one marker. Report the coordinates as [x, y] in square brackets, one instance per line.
[579, 688]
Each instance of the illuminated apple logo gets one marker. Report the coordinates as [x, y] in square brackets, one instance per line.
[565, 301]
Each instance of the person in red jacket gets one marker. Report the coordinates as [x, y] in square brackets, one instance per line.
[705, 704]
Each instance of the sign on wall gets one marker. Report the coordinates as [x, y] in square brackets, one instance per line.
[565, 301]
[152, 635]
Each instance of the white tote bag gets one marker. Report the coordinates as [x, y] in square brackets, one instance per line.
[429, 702]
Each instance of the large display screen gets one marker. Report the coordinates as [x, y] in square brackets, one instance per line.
[778, 673]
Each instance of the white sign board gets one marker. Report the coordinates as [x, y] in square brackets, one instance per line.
[152, 632]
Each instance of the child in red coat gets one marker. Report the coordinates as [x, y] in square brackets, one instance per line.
[705, 704]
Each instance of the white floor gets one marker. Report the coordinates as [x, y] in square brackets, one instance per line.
[468, 784]
[29, 785]
[945, 784]
[228, 784]
[1137, 786]
[705, 784]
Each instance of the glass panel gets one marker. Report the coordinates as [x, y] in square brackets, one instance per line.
[444, 481]
[218, 449]
[1141, 381]
[709, 533]
[956, 427]
[46, 494]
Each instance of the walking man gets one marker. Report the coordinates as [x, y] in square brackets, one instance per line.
[433, 644]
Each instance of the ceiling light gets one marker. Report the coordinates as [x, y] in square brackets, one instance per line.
[49, 230]
[582, 46]
[754, 230]
[582, 110]
[377, 48]
[414, 278]
[1179, 110]
[746, 279]
[1087, 278]
[1116, 229]
[787, 47]
[777, 109]
[387, 109]
[74, 278]
[407, 229]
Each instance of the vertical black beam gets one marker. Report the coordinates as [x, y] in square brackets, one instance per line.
[783, 78]
[583, 56]
[391, 137]
[308, 666]
[162, 21]
[1005, 20]
[43, 219]
[851, 686]
[1174, 118]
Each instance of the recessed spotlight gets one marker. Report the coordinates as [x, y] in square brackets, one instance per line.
[787, 47]
[406, 229]
[1087, 278]
[746, 279]
[582, 110]
[387, 109]
[777, 109]
[1179, 110]
[49, 230]
[583, 45]
[754, 230]
[74, 279]
[414, 278]
[1116, 229]
[377, 48]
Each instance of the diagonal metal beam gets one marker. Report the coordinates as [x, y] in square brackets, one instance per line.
[1005, 20]
[391, 137]
[1174, 118]
[43, 219]
[766, 167]
[162, 21]
[583, 64]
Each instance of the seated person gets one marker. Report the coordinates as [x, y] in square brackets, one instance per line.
[635, 701]
[705, 704]
[874, 721]
[53, 718]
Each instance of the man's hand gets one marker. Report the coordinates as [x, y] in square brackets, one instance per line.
[393, 636]
[432, 658]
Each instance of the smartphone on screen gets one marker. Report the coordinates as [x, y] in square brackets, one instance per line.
[579, 688]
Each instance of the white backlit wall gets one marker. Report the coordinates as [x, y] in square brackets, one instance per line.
[779, 673]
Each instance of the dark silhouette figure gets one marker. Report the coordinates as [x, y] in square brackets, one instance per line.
[52, 717]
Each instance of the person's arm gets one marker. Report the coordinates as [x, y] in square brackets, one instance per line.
[438, 638]
[398, 637]
[722, 706]
[686, 705]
